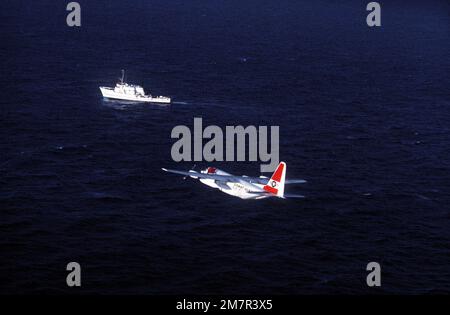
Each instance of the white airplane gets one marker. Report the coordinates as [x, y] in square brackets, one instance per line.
[245, 187]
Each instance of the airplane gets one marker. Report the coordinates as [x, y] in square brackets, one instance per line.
[244, 187]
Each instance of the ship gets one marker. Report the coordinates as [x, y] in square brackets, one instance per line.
[131, 92]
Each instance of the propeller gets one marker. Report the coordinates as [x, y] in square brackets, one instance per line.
[192, 168]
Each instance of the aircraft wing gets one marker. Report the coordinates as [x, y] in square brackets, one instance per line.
[193, 174]
[231, 178]
[263, 193]
[264, 180]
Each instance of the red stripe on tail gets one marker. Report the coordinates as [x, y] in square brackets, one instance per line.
[278, 172]
[271, 189]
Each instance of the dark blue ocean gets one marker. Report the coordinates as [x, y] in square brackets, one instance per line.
[364, 116]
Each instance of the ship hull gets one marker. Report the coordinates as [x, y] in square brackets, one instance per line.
[109, 93]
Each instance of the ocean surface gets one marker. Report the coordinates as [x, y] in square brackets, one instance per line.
[364, 116]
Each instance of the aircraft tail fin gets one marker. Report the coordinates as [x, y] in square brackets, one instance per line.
[276, 182]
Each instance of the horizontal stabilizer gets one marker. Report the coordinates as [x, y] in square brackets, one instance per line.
[293, 196]
[295, 181]
[191, 173]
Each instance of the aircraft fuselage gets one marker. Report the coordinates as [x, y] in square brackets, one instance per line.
[241, 189]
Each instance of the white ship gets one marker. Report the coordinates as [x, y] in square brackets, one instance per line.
[131, 92]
